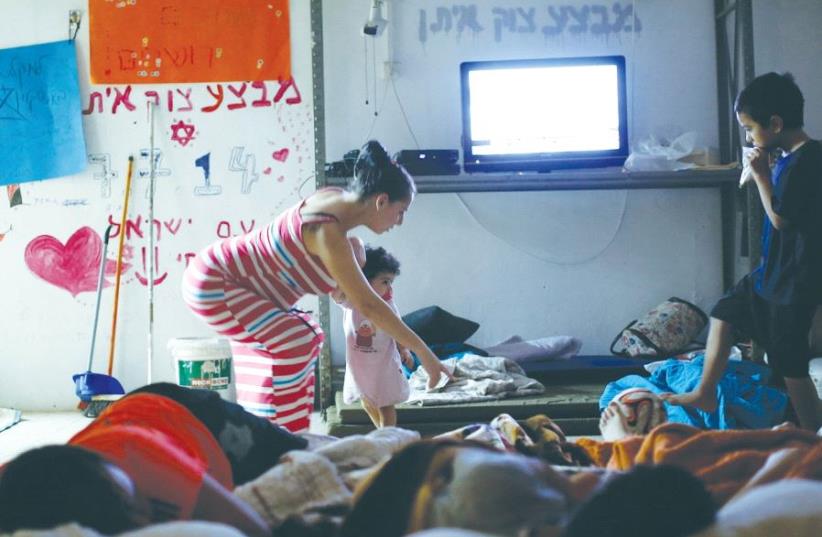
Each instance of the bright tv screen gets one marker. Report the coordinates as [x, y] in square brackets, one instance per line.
[544, 114]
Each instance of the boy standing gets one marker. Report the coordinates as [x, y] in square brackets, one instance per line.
[774, 304]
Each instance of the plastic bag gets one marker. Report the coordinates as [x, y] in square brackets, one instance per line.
[747, 174]
[658, 153]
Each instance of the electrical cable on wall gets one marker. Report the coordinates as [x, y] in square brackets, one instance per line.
[402, 109]
[365, 68]
[554, 261]
[374, 75]
[377, 115]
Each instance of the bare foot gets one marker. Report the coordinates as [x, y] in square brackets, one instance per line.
[702, 401]
[612, 424]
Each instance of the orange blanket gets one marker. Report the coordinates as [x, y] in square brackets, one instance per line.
[724, 460]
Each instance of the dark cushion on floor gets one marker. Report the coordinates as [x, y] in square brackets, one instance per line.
[436, 326]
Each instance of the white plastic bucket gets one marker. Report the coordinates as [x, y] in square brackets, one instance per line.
[816, 374]
[204, 363]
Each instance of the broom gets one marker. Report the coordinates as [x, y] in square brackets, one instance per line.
[101, 401]
[88, 384]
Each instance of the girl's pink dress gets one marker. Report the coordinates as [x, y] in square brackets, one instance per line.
[373, 368]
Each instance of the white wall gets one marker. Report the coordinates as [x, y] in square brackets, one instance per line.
[581, 263]
[786, 38]
[47, 331]
[540, 263]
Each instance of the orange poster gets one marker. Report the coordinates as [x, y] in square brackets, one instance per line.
[163, 41]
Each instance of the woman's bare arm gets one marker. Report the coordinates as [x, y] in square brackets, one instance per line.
[330, 244]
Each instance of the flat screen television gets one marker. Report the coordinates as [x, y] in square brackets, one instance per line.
[544, 114]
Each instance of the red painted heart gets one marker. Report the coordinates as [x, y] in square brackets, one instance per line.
[72, 267]
[281, 154]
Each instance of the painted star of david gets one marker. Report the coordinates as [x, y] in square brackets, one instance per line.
[182, 133]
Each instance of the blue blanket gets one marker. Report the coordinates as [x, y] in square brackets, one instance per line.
[745, 401]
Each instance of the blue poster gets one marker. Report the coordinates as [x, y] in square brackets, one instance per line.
[41, 128]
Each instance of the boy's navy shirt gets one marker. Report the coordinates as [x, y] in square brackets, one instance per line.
[791, 268]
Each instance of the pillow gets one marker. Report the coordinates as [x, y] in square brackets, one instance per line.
[546, 348]
[786, 507]
[436, 326]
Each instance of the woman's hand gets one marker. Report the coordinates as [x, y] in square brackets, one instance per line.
[434, 367]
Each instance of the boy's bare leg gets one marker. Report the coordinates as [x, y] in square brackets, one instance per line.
[388, 416]
[372, 412]
[717, 350]
[805, 401]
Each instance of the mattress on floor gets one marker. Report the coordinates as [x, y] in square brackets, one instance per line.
[603, 369]
[574, 408]
[573, 388]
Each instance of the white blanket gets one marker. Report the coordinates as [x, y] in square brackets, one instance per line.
[476, 378]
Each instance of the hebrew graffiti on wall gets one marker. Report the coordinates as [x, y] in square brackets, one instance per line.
[73, 266]
[246, 164]
[105, 174]
[183, 132]
[144, 167]
[206, 189]
[189, 41]
[237, 97]
[551, 21]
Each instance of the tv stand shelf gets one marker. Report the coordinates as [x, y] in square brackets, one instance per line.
[593, 179]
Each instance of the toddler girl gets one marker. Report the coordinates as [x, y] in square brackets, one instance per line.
[372, 358]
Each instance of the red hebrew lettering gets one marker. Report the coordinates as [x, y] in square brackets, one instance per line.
[158, 227]
[263, 100]
[187, 97]
[224, 230]
[242, 225]
[115, 227]
[218, 97]
[153, 95]
[128, 59]
[94, 96]
[239, 94]
[284, 86]
[122, 98]
[143, 279]
[186, 257]
[136, 226]
[173, 226]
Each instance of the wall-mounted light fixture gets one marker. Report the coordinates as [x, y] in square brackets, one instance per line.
[375, 25]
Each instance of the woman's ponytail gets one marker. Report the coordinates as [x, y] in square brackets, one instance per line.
[375, 173]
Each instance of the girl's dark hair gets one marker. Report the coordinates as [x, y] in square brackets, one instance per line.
[375, 173]
[378, 260]
[53, 485]
[646, 501]
[770, 95]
